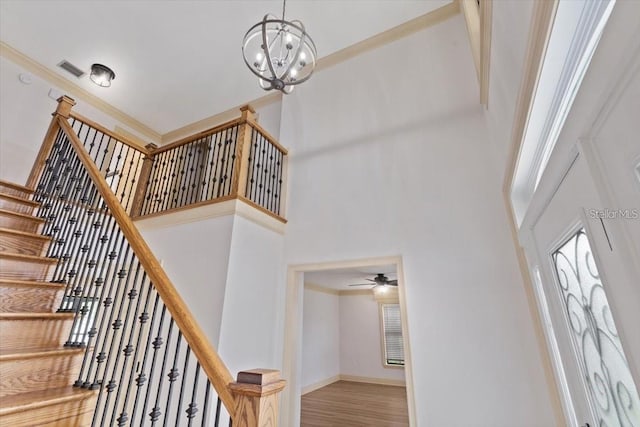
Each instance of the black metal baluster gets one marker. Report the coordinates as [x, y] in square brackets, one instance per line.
[280, 189]
[183, 196]
[120, 350]
[232, 150]
[142, 379]
[171, 179]
[185, 370]
[260, 166]
[215, 158]
[205, 409]
[224, 165]
[150, 195]
[173, 375]
[101, 338]
[157, 344]
[208, 167]
[134, 364]
[155, 413]
[178, 178]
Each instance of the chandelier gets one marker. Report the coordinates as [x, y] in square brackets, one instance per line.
[279, 52]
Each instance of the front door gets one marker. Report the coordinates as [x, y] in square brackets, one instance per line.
[588, 294]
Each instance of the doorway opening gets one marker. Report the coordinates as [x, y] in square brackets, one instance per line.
[347, 340]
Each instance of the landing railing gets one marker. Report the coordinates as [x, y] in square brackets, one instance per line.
[145, 356]
[236, 160]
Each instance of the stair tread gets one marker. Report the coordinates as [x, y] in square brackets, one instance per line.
[13, 354]
[19, 199]
[22, 215]
[15, 186]
[33, 283]
[36, 316]
[28, 258]
[37, 399]
[24, 233]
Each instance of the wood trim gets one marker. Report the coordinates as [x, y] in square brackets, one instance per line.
[63, 109]
[263, 210]
[22, 216]
[471, 14]
[317, 288]
[125, 140]
[65, 85]
[141, 186]
[269, 137]
[27, 258]
[396, 33]
[539, 33]
[186, 207]
[320, 384]
[217, 119]
[199, 135]
[243, 148]
[26, 234]
[209, 359]
[486, 22]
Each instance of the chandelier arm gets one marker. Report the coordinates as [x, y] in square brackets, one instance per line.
[267, 51]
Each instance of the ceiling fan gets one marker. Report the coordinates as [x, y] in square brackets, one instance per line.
[379, 280]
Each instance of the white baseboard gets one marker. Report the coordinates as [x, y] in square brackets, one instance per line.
[319, 384]
[370, 380]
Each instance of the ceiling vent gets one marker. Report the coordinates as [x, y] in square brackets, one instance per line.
[69, 67]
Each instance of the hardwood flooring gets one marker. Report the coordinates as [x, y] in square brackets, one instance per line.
[346, 404]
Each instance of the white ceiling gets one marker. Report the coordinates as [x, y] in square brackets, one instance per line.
[343, 277]
[177, 62]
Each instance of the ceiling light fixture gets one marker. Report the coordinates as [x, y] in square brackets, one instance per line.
[279, 52]
[102, 75]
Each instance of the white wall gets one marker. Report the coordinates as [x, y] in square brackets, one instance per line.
[361, 339]
[195, 255]
[25, 114]
[249, 337]
[391, 156]
[321, 337]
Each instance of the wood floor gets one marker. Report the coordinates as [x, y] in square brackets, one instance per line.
[346, 403]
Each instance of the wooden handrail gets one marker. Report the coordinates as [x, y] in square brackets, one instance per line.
[112, 134]
[209, 359]
[199, 135]
[268, 136]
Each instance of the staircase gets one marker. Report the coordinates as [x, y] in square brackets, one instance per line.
[36, 370]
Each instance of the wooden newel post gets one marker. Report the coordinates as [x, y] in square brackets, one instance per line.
[63, 110]
[256, 393]
[143, 180]
[243, 148]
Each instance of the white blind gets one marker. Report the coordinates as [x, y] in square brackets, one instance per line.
[393, 348]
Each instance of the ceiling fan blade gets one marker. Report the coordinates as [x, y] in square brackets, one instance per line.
[361, 284]
[392, 283]
[371, 280]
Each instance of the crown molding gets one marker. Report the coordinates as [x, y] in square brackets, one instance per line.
[29, 64]
[427, 20]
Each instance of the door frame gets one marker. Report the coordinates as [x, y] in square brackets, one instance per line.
[551, 181]
[292, 355]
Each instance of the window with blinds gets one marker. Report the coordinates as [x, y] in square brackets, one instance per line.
[392, 328]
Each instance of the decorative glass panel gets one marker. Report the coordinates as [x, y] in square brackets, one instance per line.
[593, 332]
[393, 347]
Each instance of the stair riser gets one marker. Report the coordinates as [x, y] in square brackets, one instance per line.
[34, 334]
[25, 245]
[25, 299]
[75, 413]
[16, 206]
[25, 270]
[5, 189]
[33, 374]
[20, 224]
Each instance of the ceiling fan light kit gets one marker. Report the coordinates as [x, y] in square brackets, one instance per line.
[279, 52]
